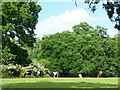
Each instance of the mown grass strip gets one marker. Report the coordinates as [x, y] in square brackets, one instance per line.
[60, 83]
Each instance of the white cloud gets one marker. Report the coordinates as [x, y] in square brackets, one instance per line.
[64, 22]
[112, 32]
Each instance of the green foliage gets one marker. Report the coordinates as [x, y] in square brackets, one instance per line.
[71, 53]
[18, 23]
[85, 50]
[82, 27]
[112, 9]
[35, 51]
[16, 70]
[11, 70]
[6, 55]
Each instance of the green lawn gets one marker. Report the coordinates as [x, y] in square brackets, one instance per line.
[60, 83]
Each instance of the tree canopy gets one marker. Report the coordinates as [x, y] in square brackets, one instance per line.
[18, 24]
[112, 8]
[85, 50]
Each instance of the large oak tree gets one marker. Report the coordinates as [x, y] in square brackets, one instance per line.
[85, 50]
[18, 24]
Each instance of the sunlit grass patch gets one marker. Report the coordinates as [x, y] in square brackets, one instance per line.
[60, 83]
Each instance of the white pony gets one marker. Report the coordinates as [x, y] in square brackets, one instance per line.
[80, 75]
[55, 74]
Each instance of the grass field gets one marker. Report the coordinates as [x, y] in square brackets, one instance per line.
[60, 83]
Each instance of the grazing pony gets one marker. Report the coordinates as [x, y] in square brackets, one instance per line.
[28, 72]
[55, 74]
[100, 74]
[14, 72]
[36, 74]
[80, 75]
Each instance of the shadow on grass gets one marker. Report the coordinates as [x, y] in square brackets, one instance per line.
[58, 85]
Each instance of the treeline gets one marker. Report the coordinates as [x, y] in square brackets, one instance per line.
[85, 50]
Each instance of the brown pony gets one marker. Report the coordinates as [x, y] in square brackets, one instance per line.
[100, 73]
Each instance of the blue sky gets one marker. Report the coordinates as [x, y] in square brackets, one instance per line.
[57, 16]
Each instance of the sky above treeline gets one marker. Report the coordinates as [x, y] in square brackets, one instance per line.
[60, 15]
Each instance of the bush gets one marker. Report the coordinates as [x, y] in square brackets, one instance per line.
[11, 70]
